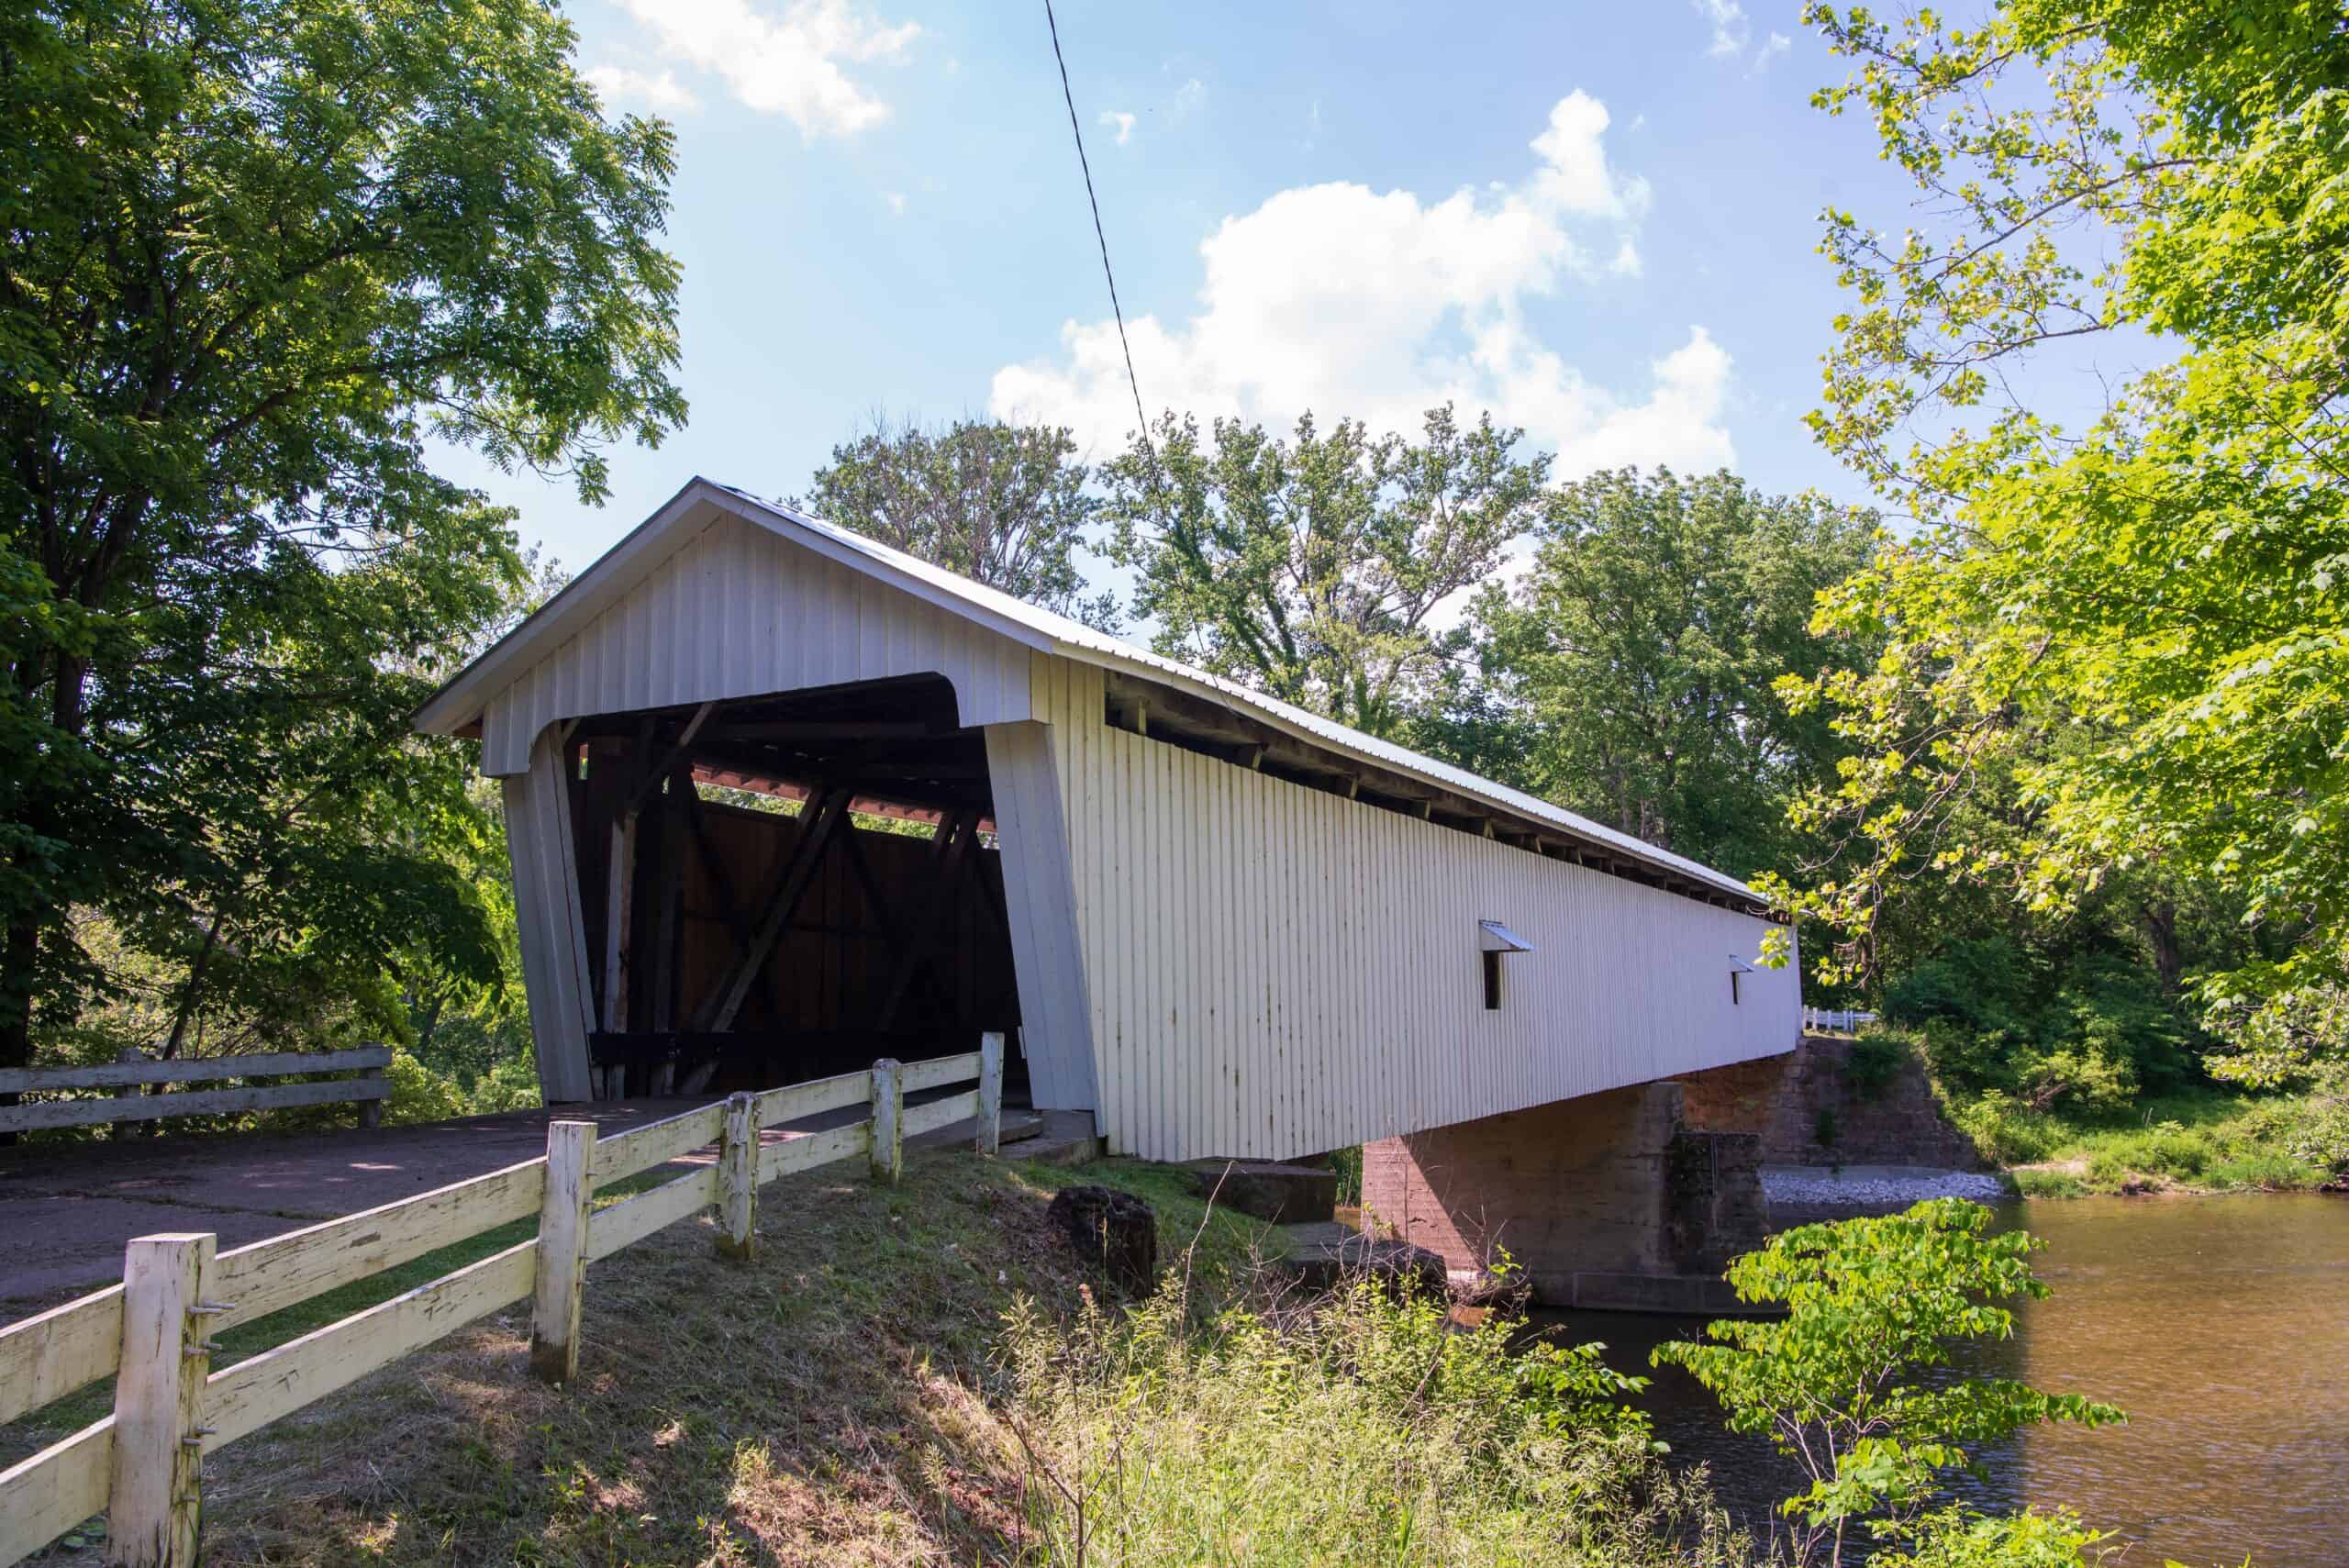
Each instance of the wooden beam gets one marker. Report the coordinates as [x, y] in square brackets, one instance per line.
[817, 824]
[954, 841]
[650, 779]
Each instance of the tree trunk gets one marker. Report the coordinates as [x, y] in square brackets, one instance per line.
[2169, 962]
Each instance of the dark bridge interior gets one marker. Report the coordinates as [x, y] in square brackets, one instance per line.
[777, 889]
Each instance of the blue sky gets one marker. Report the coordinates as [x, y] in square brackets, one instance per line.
[1597, 219]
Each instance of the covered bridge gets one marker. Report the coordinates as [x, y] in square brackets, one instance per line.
[782, 800]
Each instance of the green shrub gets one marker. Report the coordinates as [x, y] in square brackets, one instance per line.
[2167, 1150]
[1853, 1383]
[2003, 1131]
[1876, 1062]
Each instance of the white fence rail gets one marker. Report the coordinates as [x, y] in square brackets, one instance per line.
[130, 1078]
[153, 1333]
[1834, 1020]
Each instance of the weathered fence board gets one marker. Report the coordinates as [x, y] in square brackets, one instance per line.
[938, 1071]
[814, 1099]
[936, 1114]
[33, 1115]
[193, 1069]
[262, 1276]
[624, 1223]
[277, 1383]
[50, 1355]
[54, 1490]
[626, 1153]
[805, 1153]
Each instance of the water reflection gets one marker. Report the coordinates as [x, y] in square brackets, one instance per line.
[2221, 1325]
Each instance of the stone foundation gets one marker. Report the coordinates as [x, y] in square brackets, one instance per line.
[1603, 1201]
[1779, 1099]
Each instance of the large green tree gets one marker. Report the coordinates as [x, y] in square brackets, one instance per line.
[1004, 505]
[262, 257]
[1642, 649]
[1315, 568]
[2157, 582]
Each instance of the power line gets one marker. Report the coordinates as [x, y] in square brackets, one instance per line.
[1103, 240]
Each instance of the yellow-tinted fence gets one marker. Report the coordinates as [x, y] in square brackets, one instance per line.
[153, 1334]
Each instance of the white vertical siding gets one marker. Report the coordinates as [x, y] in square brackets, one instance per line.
[736, 611]
[545, 905]
[1055, 1029]
[1275, 970]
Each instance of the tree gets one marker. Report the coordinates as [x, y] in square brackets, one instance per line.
[2159, 585]
[1002, 504]
[1844, 1383]
[1314, 568]
[263, 255]
[1643, 648]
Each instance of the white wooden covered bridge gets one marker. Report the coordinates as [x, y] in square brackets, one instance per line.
[1225, 926]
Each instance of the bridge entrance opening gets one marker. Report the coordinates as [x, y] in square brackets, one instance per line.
[776, 889]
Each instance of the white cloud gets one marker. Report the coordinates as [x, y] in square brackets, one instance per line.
[1189, 96]
[618, 84]
[1730, 29]
[1347, 301]
[1772, 47]
[1122, 121]
[788, 61]
[897, 200]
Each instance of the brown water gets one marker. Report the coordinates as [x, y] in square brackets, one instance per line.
[2220, 1324]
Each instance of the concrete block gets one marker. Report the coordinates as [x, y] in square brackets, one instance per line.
[1292, 1195]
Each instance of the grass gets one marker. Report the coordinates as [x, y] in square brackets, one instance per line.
[826, 1402]
[2208, 1140]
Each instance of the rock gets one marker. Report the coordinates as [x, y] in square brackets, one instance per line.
[1395, 1264]
[1113, 1231]
[1293, 1195]
[1508, 1293]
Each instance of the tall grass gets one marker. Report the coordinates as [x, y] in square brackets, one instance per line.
[1362, 1431]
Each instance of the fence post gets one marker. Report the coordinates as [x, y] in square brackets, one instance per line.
[888, 1120]
[371, 1112]
[563, 1251]
[990, 1092]
[155, 1497]
[738, 1179]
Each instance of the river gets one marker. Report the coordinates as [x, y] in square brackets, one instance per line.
[2220, 1324]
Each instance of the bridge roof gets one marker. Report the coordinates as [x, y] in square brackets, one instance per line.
[460, 703]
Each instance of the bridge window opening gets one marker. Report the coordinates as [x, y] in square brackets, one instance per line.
[777, 889]
[1496, 940]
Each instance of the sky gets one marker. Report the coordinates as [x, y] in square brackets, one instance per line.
[1598, 221]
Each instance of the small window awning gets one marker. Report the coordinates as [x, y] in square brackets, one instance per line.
[1498, 938]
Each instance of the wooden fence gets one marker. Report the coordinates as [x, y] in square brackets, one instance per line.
[1835, 1020]
[135, 1073]
[152, 1333]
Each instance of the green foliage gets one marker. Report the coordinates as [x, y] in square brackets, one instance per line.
[2115, 653]
[242, 302]
[1850, 1381]
[1960, 1538]
[1639, 656]
[1004, 505]
[1874, 1063]
[1359, 1429]
[1312, 568]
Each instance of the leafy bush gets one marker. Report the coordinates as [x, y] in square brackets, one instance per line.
[1851, 1382]
[1363, 1429]
[1876, 1062]
[2003, 1131]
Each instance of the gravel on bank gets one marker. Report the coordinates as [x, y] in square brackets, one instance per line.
[1872, 1187]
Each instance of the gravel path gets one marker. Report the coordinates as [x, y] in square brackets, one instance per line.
[1872, 1187]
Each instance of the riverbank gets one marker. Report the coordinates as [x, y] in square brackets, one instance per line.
[2208, 1141]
